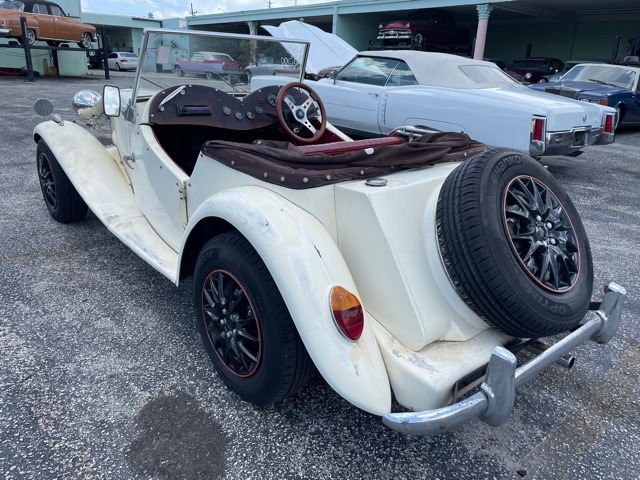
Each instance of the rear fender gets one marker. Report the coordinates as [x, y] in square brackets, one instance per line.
[305, 264]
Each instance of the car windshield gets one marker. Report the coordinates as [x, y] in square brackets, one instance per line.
[611, 75]
[488, 76]
[530, 63]
[17, 6]
[178, 57]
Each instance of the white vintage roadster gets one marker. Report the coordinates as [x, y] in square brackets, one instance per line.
[418, 264]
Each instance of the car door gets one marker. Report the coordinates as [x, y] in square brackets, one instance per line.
[159, 185]
[46, 27]
[111, 60]
[64, 29]
[353, 98]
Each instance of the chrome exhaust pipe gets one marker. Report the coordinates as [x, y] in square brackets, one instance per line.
[566, 361]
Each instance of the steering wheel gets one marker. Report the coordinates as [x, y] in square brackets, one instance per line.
[300, 114]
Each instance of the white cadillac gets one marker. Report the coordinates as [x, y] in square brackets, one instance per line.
[375, 92]
[420, 263]
[378, 91]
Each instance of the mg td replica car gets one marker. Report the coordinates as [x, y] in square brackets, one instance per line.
[420, 263]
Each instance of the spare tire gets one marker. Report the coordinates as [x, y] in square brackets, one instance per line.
[513, 245]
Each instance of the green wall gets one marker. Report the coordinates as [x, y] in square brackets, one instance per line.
[567, 41]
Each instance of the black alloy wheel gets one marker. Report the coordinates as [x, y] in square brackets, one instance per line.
[230, 322]
[541, 234]
[244, 323]
[60, 196]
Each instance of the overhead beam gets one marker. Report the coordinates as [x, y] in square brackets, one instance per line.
[527, 8]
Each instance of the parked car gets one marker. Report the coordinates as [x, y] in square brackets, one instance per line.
[269, 66]
[424, 30]
[310, 251]
[501, 64]
[122, 61]
[532, 70]
[616, 86]
[211, 65]
[45, 21]
[379, 91]
[568, 66]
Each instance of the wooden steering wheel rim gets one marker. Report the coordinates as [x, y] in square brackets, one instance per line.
[280, 112]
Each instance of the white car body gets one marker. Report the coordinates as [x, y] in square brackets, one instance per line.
[376, 239]
[500, 112]
[122, 61]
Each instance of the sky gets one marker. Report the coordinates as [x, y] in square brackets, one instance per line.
[163, 9]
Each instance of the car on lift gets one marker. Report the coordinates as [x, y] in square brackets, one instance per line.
[45, 21]
[430, 30]
[418, 263]
[616, 86]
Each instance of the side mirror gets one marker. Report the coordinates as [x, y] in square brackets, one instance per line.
[88, 104]
[111, 101]
[334, 76]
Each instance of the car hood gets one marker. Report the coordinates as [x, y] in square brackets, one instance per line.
[326, 50]
[589, 87]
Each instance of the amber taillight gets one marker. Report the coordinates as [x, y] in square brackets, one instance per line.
[348, 313]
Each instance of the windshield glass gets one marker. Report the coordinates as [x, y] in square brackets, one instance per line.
[488, 76]
[224, 61]
[619, 77]
[17, 6]
[530, 63]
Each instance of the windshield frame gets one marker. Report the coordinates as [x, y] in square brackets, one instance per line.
[135, 95]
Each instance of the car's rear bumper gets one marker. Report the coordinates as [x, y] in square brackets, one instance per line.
[5, 32]
[494, 400]
[570, 141]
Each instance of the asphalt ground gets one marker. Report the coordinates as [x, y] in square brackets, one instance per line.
[103, 376]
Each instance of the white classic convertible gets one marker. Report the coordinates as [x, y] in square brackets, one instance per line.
[378, 91]
[419, 263]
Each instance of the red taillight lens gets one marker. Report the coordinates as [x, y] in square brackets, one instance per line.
[124, 60]
[538, 129]
[347, 312]
[608, 124]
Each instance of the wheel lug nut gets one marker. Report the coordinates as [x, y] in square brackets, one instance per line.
[223, 322]
[538, 218]
[549, 225]
[224, 310]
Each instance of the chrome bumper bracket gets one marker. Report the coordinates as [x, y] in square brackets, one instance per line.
[494, 401]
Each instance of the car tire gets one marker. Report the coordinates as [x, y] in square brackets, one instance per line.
[619, 115]
[245, 325]
[60, 196]
[53, 43]
[179, 71]
[418, 42]
[491, 211]
[31, 37]
[85, 40]
[117, 67]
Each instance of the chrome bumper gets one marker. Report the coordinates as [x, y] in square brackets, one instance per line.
[494, 401]
[570, 141]
[5, 32]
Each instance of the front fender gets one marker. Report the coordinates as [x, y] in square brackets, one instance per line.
[305, 263]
